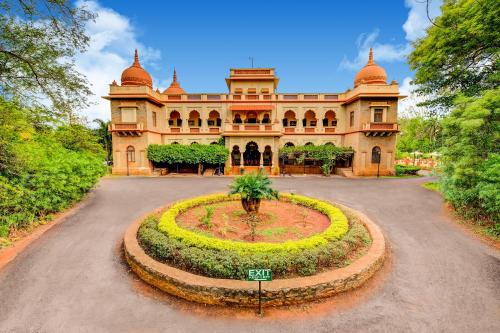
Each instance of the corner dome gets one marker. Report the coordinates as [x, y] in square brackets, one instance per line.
[371, 73]
[175, 87]
[135, 75]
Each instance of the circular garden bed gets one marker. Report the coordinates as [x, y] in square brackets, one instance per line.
[201, 249]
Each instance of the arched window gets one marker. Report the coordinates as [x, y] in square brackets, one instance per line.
[214, 119]
[194, 119]
[175, 119]
[329, 144]
[289, 144]
[130, 154]
[309, 144]
[175, 143]
[289, 120]
[194, 143]
[213, 142]
[309, 119]
[266, 119]
[376, 154]
[237, 119]
[330, 119]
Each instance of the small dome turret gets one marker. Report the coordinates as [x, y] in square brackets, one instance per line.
[371, 73]
[175, 87]
[135, 75]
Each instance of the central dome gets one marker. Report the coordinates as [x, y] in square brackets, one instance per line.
[135, 75]
[371, 73]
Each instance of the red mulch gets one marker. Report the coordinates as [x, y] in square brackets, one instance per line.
[279, 221]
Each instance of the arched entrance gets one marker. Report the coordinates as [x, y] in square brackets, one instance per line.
[251, 156]
[236, 156]
[267, 156]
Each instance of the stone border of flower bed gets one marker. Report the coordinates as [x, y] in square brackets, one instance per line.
[242, 293]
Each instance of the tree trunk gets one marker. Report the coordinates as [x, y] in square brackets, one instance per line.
[250, 205]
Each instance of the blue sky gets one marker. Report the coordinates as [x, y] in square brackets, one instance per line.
[315, 46]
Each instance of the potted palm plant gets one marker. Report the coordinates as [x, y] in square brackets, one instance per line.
[253, 188]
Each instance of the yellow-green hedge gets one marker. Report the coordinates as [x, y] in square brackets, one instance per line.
[337, 229]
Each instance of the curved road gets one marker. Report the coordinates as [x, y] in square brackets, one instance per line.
[73, 278]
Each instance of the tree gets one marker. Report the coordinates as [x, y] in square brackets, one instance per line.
[460, 54]
[253, 188]
[420, 134]
[38, 43]
[471, 156]
[105, 138]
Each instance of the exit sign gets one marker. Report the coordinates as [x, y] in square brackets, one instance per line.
[260, 275]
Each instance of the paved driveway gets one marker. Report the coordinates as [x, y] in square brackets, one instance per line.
[73, 279]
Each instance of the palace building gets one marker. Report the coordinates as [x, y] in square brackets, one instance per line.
[256, 120]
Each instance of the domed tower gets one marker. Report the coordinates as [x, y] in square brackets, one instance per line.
[135, 75]
[371, 73]
[175, 87]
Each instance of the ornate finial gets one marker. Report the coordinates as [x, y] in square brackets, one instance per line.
[175, 76]
[136, 58]
[370, 57]
[114, 83]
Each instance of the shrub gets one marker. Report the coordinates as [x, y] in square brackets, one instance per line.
[402, 170]
[188, 154]
[231, 264]
[42, 169]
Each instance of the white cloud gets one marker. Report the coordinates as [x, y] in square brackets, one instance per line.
[414, 27]
[382, 52]
[112, 43]
[418, 22]
[408, 106]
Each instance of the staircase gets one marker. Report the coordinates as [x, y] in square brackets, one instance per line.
[345, 172]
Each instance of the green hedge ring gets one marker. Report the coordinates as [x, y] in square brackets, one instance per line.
[338, 227]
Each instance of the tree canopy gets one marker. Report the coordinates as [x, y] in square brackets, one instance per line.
[460, 54]
[471, 155]
[38, 43]
[423, 134]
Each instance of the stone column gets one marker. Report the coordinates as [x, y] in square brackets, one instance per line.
[204, 119]
[299, 116]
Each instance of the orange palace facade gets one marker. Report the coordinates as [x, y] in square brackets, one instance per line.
[255, 120]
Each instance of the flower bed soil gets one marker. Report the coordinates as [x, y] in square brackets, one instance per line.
[279, 221]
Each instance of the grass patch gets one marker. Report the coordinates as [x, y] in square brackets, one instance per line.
[433, 186]
[278, 231]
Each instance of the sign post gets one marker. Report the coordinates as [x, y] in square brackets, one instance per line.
[261, 274]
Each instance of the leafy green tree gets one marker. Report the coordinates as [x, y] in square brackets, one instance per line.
[77, 137]
[253, 188]
[420, 134]
[38, 43]
[460, 54]
[104, 137]
[471, 156]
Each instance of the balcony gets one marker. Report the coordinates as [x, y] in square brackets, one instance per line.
[380, 129]
[232, 129]
[126, 129]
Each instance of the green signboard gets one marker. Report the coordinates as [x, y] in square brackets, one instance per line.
[260, 275]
